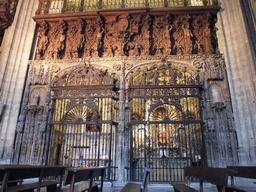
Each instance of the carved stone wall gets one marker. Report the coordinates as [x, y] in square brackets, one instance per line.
[126, 34]
[7, 12]
[32, 133]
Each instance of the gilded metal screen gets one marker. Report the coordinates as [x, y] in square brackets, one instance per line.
[165, 125]
[84, 128]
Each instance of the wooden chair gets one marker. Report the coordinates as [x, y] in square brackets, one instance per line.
[216, 176]
[243, 172]
[18, 173]
[81, 179]
[139, 187]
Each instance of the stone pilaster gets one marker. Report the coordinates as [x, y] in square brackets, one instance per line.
[240, 62]
[15, 53]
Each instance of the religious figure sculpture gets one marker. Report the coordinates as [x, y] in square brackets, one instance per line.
[42, 39]
[75, 40]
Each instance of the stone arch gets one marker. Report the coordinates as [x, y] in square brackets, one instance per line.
[84, 75]
[175, 70]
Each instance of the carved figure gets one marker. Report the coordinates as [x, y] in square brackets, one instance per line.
[182, 35]
[162, 42]
[203, 34]
[93, 34]
[42, 39]
[57, 41]
[143, 41]
[110, 39]
[75, 40]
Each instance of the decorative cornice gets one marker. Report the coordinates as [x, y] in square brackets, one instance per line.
[188, 57]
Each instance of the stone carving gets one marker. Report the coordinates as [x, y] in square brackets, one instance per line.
[144, 39]
[202, 32]
[42, 39]
[75, 39]
[57, 41]
[162, 29]
[162, 74]
[127, 35]
[85, 75]
[42, 74]
[122, 35]
[215, 69]
[116, 36]
[133, 41]
[182, 35]
[94, 34]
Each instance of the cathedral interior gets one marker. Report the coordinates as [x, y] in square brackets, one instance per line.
[128, 84]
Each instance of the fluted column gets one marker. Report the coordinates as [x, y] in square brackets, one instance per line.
[15, 53]
[236, 45]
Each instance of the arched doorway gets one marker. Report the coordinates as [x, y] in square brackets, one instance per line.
[83, 126]
[165, 123]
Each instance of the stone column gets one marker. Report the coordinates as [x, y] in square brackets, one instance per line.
[15, 53]
[235, 43]
[120, 131]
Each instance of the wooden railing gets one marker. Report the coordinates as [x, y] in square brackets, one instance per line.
[62, 6]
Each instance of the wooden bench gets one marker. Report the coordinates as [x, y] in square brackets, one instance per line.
[18, 173]
[216, 176]
[240, 171]
[81, 179]
[138, 187]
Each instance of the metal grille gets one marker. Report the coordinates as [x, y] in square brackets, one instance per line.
[165, 126]
[59, 6]
[83, 130]
[165, 135]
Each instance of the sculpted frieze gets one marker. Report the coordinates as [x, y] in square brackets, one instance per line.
[123, 34]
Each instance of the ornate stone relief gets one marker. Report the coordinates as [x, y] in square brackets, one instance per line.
[203, 34]
[105, 72]
[126, 35]
[182, 35]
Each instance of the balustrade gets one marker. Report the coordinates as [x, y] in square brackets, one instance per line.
[61, 6]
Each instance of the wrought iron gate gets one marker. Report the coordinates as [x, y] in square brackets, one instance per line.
[83, 126]
[165, 126]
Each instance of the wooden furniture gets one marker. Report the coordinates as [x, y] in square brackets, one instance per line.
[240, 171]
[216, 176]
[17, 173]
[137, 187]
[86, 178]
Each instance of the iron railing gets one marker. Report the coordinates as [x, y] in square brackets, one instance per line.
[63, 6]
